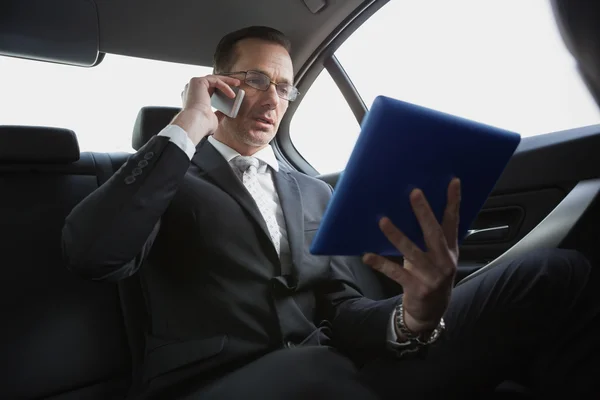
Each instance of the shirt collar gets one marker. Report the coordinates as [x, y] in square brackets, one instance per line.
[267, 155]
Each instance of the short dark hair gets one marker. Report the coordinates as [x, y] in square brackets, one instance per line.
[225, 57]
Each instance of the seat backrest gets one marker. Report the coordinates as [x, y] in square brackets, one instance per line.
[149, 122]
[63, 337]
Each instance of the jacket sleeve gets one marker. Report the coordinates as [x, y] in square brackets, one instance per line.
[358, 322]
[109, 233]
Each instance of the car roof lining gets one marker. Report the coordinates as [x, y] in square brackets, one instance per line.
[181, 31]
[187, 31]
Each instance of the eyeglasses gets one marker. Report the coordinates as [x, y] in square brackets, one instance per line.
[260, 81]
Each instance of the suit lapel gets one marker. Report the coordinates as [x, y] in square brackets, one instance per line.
[214, 166]
[303, 272]
[291, 204]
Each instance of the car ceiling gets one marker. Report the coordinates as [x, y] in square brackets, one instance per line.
[187, 31]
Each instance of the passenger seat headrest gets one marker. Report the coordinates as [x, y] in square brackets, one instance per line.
[149, 122]
[39, 145]
[578, 24]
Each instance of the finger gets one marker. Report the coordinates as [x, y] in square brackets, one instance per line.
[452, 214]
[416, 262]
[224, 84]
[230, 80]
[432, 231]
[389, 269]
[409, 250]
[225, 88]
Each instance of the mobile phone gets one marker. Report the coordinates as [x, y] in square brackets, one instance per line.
[227, 105]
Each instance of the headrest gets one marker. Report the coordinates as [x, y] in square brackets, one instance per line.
[150, 121]
[40, 145]
[578, 24]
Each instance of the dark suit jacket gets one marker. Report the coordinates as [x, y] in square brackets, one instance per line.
[214, 289]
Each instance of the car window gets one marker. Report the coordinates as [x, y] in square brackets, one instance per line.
[500, 62]
[323, 128]
[99, 104]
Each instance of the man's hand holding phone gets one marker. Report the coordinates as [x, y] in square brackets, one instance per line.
[197, 117]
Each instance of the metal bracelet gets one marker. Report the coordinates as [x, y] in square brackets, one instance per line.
[411, 336]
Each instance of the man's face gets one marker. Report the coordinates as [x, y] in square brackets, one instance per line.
[261, 111]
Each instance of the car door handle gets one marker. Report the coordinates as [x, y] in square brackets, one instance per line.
[485, 234]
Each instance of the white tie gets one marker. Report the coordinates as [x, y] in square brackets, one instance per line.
[246, 169]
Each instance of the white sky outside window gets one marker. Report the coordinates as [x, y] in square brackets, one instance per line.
[501, 62]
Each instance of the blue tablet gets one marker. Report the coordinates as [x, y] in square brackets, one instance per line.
[403, 146]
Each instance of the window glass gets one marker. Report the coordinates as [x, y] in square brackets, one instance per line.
[99, 104]
[324, 128]
[500, 62]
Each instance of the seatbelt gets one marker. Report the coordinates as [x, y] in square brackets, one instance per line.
[131, 296]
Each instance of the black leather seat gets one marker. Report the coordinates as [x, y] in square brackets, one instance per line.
[63, 337]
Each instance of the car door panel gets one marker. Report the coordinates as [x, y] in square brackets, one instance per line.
[520, 211]
[556, 228]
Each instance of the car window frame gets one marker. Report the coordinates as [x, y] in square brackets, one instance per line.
[324, 58]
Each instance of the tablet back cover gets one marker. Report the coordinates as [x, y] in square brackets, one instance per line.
[403, 146]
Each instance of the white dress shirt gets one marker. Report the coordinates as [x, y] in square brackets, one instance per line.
[180, 138]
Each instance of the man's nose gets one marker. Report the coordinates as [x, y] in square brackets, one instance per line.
[271, 97]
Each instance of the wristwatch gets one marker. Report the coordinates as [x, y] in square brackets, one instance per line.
[416, 340]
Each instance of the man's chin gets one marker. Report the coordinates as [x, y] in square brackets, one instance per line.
[258, 137]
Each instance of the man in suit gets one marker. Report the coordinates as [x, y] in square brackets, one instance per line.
[217, 232]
